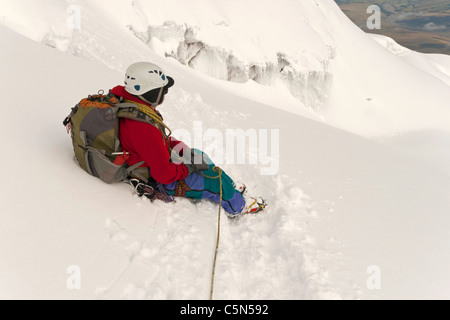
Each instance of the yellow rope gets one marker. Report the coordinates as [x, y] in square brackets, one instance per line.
[152, 114]
[219, 176]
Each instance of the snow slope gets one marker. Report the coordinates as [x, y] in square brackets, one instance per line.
[328, 221]
[339, 204]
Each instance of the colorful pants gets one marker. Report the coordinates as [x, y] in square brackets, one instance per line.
[198, 187]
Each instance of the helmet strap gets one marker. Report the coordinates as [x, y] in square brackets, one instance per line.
[145, 100]
[159, 96]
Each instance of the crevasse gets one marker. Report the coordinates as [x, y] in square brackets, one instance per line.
[311, 85]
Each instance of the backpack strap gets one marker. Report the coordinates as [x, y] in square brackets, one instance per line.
[132, 170]
[142, 113]
[146, 114]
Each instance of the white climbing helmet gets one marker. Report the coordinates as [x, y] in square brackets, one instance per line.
[142, 77]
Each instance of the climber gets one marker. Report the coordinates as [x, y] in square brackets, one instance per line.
[184, 172]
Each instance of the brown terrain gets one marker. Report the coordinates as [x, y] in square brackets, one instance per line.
[421, 25]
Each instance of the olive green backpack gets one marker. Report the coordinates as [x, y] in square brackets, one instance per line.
[94, 127]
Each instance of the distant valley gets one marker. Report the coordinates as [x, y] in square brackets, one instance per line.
[422, 25]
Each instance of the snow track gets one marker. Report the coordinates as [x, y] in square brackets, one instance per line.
[269, 256]
[266, 256]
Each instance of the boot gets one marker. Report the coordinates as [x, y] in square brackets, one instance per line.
[254, 205]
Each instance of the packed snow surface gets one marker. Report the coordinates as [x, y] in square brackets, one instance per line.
[356, 171]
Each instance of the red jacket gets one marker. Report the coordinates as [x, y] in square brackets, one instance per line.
[145, 142]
